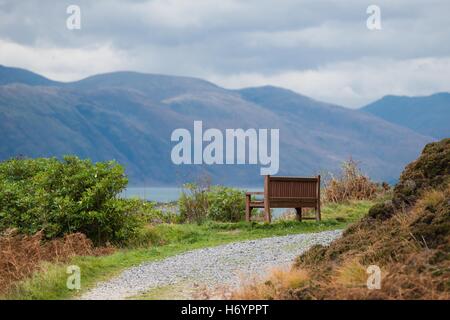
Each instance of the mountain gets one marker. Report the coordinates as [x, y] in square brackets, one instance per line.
[427, 115]
[10, 75]
[129, 117]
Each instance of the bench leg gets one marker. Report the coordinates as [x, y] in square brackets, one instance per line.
[298, 214]
[318, 215]
[267, 216]
[248, 210]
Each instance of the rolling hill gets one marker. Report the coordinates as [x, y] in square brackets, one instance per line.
[17, 75]
[427, 115]
[130, 116]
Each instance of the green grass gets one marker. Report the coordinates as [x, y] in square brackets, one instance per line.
[172, 239]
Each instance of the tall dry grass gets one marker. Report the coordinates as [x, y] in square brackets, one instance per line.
[277, 286]
[22, 255]
[349, 184]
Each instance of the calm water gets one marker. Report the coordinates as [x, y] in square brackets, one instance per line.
[165, 194]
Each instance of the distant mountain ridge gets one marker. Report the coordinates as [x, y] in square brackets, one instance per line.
[129, 116]
[10, 75]
[427, 115]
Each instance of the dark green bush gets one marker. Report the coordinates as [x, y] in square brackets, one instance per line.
[65, 196]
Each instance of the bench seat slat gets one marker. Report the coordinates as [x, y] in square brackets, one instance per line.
[257, 204]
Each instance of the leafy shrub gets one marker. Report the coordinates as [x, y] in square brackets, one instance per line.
[193, 203]
[65, 196]
[199, 203]
[226, 204]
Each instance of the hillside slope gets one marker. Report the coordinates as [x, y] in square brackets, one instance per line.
[428, 115]
[130, 116]
[10, 75]
[408, 239]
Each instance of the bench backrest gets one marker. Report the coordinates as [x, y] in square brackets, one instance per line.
[292, 187]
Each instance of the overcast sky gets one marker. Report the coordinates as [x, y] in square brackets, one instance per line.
[322, 49]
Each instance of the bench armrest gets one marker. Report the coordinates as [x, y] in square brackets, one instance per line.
[254, 193]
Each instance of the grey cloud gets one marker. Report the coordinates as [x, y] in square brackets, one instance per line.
[215, 39]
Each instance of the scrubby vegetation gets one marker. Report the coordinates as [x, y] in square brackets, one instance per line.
[200, 202]
[431, 170]
[160, 240]
[59, 197]
[52, 210]
[350, 184]
[22, 255]
[57, 212]
[408, 238]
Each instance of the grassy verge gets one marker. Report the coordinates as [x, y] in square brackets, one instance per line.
[173, 239]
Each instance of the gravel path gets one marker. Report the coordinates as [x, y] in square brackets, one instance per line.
[221, 266]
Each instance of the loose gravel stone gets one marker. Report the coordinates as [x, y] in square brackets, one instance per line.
[224, 265]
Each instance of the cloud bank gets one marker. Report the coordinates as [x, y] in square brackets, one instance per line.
[318, 48]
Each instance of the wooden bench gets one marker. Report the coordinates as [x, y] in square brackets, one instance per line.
[286, 192]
